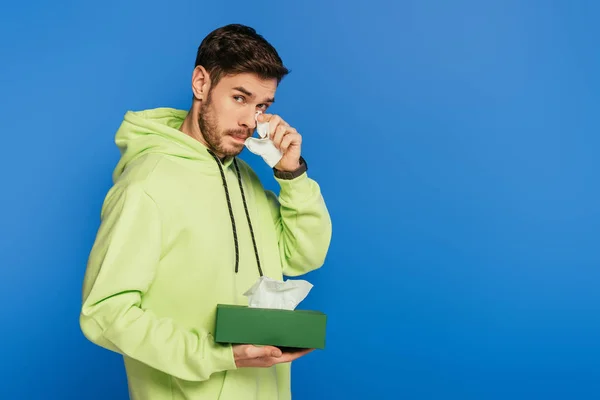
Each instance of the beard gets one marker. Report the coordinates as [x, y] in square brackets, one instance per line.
[214, 137]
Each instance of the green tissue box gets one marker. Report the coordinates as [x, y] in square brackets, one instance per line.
[286, 329]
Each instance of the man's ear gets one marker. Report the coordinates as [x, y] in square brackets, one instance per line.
[200, 83]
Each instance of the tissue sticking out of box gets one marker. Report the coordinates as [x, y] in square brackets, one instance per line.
[271, 293]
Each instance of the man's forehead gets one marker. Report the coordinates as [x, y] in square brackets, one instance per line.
[252, 83]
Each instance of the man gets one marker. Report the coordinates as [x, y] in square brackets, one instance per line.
[188, 225]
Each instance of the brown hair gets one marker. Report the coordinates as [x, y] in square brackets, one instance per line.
[235, 49]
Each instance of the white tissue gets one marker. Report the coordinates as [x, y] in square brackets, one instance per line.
[263, 146]
[270, 293]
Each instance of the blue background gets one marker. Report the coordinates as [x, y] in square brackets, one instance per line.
[456, 144]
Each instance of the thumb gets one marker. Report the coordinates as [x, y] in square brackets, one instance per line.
[271, 351]
[262, 351]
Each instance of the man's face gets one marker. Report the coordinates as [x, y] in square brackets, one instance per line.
[227, 115]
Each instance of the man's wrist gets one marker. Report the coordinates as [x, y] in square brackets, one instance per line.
[292, 174]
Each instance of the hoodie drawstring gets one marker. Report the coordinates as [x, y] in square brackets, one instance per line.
[235, 238]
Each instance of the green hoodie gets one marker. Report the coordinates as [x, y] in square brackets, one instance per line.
[165, 255]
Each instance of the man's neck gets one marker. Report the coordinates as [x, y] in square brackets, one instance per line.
[191, 128]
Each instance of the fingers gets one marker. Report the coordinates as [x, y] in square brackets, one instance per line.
[278, 135]
[288, 357]
[277, 126]
[286, 139]
[263, 357]
[275, 123]
[290, 138]
[266, 362]
[285, 136]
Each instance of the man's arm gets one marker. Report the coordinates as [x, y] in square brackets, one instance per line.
[302, 222]
[301, 217]
[120, 270]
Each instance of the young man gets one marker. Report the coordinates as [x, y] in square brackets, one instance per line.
[187, 225]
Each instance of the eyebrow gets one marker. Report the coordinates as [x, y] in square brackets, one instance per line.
[249, 94]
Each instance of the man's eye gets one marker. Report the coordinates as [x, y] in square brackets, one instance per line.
[239, 99]
[263, 106]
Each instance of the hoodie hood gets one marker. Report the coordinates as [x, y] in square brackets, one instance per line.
[157, 131]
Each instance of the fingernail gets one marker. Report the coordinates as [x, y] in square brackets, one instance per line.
[276, 353]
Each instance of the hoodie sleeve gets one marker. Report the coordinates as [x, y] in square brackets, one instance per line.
[303, 224]
[120, 270]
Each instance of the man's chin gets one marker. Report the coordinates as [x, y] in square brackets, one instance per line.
[233, 150]
[234, 146]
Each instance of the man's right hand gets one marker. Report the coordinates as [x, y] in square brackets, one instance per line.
[264, 356]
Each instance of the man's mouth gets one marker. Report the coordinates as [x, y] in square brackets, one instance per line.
[241, 136]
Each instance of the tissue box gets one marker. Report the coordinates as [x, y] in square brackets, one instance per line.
[286, 329]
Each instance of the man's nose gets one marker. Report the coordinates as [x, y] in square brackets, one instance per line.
[248, 120]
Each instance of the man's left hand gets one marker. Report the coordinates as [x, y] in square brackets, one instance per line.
[286, 139]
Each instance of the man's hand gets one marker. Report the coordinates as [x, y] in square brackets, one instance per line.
[265, 356]
[286, 139]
